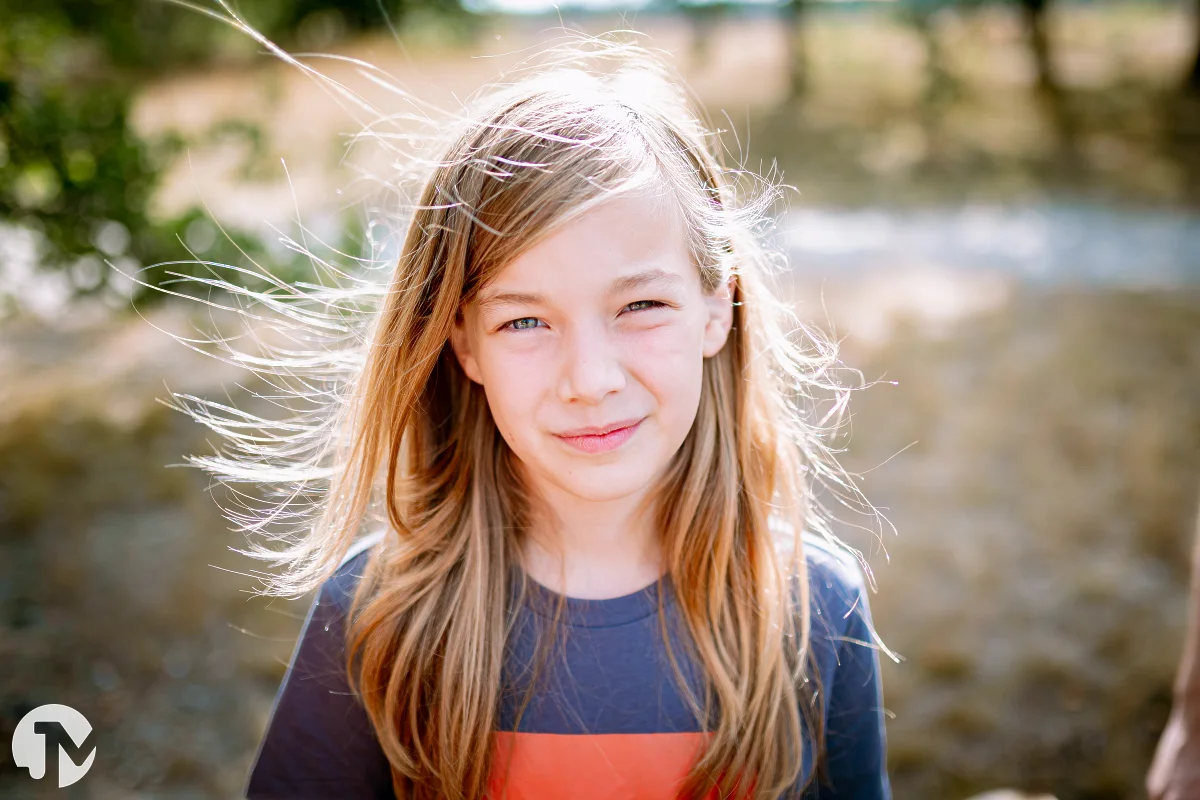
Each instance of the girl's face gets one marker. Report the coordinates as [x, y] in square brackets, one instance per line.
[602, 324]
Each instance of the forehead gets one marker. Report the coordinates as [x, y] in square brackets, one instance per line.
[626, 243]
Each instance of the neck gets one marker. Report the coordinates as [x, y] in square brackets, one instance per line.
[592, 550]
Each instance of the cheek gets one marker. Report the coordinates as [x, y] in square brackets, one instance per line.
[511, 384]
[670, 362]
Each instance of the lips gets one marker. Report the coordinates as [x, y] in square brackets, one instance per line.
[601, 430]
[615, 436]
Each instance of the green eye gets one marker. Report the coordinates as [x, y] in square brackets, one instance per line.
[514, 325]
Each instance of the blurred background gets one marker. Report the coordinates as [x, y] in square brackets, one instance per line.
[996, 210]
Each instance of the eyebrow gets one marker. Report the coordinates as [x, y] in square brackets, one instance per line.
[626, 283]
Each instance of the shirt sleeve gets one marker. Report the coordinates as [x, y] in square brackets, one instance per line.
[319, 742]
[855, 737]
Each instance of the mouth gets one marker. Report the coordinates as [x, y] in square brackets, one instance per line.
[601, 430]
[608, 437]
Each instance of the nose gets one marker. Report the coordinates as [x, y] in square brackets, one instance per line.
[592, 365]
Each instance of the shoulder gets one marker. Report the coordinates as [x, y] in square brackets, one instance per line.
[844, 650]
[832, 569]
[833, 572]
[338, 589]
[319, 739]
[323, 629]
[837, 590]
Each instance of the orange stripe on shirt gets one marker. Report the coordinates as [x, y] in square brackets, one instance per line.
[629, 766]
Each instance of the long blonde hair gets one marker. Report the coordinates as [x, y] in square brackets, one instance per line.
[394, 430]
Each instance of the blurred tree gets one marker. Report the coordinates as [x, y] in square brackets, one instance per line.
[1191, 82]
[921, 15]
[1054, 100]
[941, 86]
[72, 169]
[1033, 13]
[705, 17]
[795, 13]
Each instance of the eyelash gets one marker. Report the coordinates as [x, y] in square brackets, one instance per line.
[508, 325]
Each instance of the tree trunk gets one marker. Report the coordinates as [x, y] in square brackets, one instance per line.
[794, 13]
[1050, 91]
[1191, 81]
[1034, 12]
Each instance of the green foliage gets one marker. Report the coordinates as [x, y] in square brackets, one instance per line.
[69, 162]
[72, 168]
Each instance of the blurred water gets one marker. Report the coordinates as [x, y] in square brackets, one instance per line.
[1052, 243]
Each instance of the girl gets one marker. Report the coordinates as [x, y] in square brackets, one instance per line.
[575, 411]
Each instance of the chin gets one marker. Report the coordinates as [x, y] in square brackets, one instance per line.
[599, 484]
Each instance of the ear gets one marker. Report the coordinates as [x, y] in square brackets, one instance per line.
[460, 342]
[720, 317]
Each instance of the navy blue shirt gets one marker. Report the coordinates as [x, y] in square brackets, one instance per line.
[607, 718]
